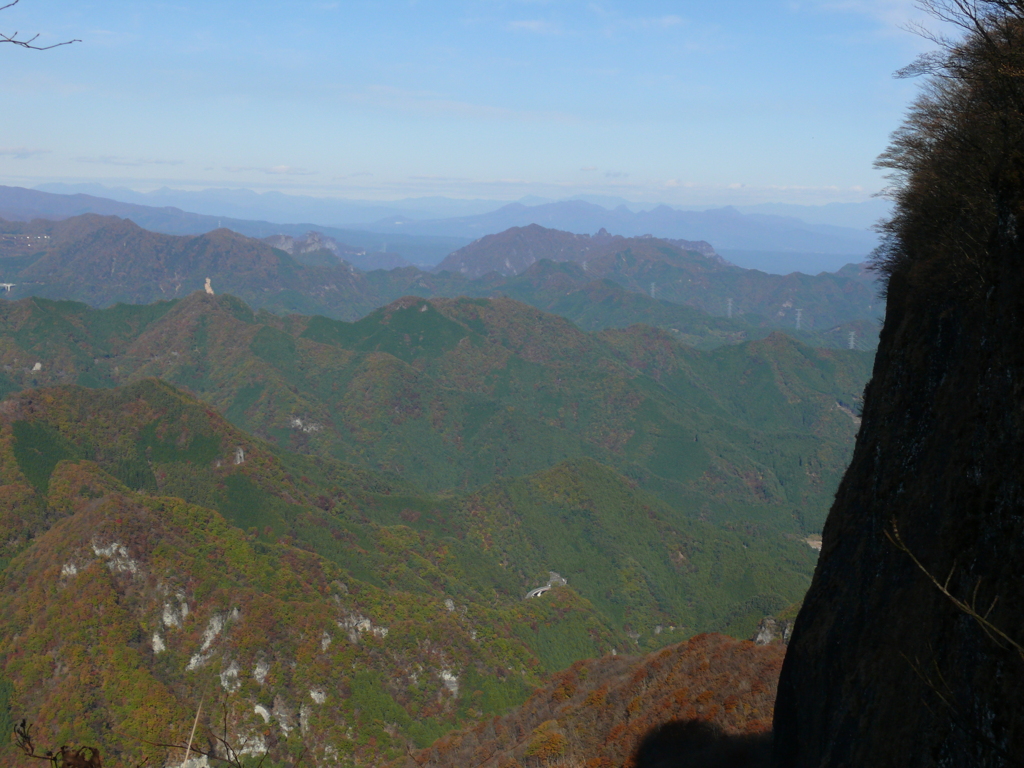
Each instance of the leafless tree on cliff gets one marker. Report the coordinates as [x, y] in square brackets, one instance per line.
[932, 677]
[27, 42]
[956, 165]
[957, 176]
[65, 757]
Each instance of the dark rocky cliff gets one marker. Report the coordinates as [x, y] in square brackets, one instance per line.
[885, 668]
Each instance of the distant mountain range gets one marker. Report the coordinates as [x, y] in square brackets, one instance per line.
[680, 272]
[339, 212]
[332, 526]
[860, 216]
[282, 208]
[726, 229]
[770, 238]
[19, 204]
[602, 281]
[516, 249]
[318, 537]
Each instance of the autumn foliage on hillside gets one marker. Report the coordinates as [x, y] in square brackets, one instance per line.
[714, 465]
[598, 712]
[305, 632]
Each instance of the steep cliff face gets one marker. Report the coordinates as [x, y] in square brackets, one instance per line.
[888, 665]
[883, 668]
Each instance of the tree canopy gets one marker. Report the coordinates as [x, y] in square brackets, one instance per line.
[957, 162]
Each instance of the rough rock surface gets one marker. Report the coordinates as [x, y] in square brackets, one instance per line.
[883, 669]
[773, 631]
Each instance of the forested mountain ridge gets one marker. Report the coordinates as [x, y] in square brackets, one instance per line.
[104, 260]
[456, 392]
[613, 458]
[434, 458]
[154, 554]
[514, 250]
[139, 602]
[714, 693]
[682, 273]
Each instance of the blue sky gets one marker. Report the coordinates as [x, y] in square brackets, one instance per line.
[733, 101]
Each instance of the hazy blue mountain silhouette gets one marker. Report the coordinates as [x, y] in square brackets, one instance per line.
[725, 228]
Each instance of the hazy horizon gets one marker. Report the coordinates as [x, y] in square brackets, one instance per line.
[735, 103]
[290, 207]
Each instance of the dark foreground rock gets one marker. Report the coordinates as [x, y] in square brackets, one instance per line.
[907, 649]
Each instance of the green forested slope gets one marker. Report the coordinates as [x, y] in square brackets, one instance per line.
[104, 260]
[454, 450]
[156, 555]
[671, 486]
[150, 564]
[451, 394]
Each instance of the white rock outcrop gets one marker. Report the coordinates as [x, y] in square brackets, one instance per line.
[116, 555]
[356, 624]
[451, 681]
[229, 678]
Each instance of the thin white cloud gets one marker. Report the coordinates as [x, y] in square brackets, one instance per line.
[126, 161]
[888, 11]
[536, 26]
[21, 153]
[614, 21]
[430, 104]
[439, 178]
[274, 170]
[609, 23]
[664, 22]
[893, 16]
[288, 170]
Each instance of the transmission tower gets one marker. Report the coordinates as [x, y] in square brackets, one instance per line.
[853, 340]
[652, 290]
[799, 314]
[728, 308]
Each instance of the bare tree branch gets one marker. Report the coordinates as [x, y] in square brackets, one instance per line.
[28, 42]
[995, 634]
